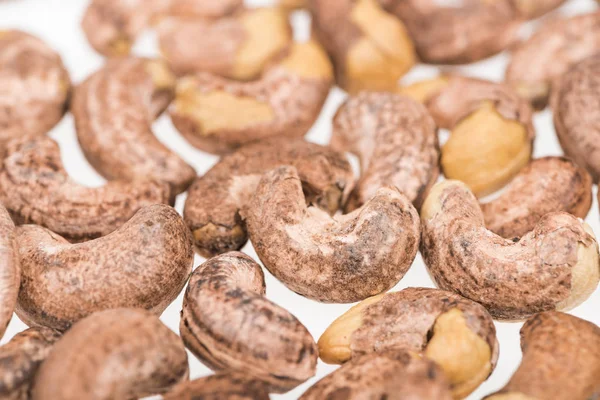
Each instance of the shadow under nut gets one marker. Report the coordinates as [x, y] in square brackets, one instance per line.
[339, 259]
[10, 270]
[143, 264]
[113, 354]
[222, 386]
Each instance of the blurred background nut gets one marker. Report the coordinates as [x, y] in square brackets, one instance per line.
[291, 5]
[10, 270]
[222, 386]
[530, 9]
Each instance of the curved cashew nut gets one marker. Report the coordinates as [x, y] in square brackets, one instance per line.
[561, 360]
[222, 386]
[555, 266]
[339, 259]
[10, 270]
[215, 219]
[143, 264]
[113, 111]
[531, 9]
[395, 140]
[36, 189]
[218, 115]
[228, 324]
[113, 354]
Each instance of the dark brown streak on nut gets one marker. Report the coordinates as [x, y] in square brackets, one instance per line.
[222, 386]
[10, 274]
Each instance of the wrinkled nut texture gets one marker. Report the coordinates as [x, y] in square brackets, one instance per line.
[530, 9]
[395, 139]
[396, 375]
[114, 109]
[561, 360]
[212, 208]
[10, 270]
[556, 46]
[113, 354]
[370, 48]
[36, 189]
[143, 264]
[456, 333]
[35, 86]
[339, 259]
[549, 184]
[222, 386]
[229, 325]
[20, 359]
[555, 266]
[575, 103]
[218, 115]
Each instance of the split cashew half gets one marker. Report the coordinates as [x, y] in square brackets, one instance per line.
[222, 386]
[10, 270]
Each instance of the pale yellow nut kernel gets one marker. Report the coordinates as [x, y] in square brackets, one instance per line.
[432, 205]
[162, 77]
[120, 47]
[424, 90]
[3, 33]
[511, 396]
[308, 60]
[293, 4]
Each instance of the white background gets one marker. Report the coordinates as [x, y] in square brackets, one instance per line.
[58, 23]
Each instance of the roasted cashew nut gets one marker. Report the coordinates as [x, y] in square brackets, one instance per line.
[530, 9]
[229, 325]
[143, 264]
[212, 208]
[561, 360]
[36, 189]
[218, 115]
[222, 386]
[339, 259]
[10, 270]
[114, 109]
[555, 266]
[456, 333]
[113, 354]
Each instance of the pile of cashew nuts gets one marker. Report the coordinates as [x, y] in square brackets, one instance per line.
[90, 269]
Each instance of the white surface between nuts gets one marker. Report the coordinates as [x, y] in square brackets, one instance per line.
[58, 23]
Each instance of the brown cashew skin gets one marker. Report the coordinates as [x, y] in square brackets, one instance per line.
[392, 375]
[339, 259]
[36, 189]
[20, 359]
[114, 109]
[121, 353]
[561, 360]
[396, 141]
[555, 266]
[10, 270]
[228, 324]
[222, 386]
[143, 264]
[35, 86]
[575, 103]
[554, 48]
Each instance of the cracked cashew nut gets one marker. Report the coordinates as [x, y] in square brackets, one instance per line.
[222, 386]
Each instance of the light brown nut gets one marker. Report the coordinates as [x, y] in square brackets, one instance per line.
[561, 360]
[10, 270]
[36, 189]
[35, 86]
[143, 264]
[212, 208]
[291, 5]
[370, 48]
[222, 386]
[208, 9]
[339, 259]
[396, 141]
[114, 109]
[229, 325]
[218, 115]
[548, 184]
[555, 266]
[575, 102]
[113, 354]
[530, 9]
[556, 46]
[456, 333]
[20, 359]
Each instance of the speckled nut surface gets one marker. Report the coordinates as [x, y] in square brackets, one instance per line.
[36, 189]
[20, 359]
[456, 333]
[555, 266]
[212, 208]
[35, 86]
[561, 360]
[575, 103]
[229, 325]
[396, 141]
[114, 354]
[556, 46]
[218, 115]
[10, 270]
[548, 184]
[530, 9]
[339, 259]
[370, 48]
[143, 264]
[222, 386]
[114, 109]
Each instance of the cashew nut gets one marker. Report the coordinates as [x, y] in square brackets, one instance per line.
[143, 264]
[530, 9]
[291, 5]
[10, 274]
[228, 324]
[555, 266]
[222, 386]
